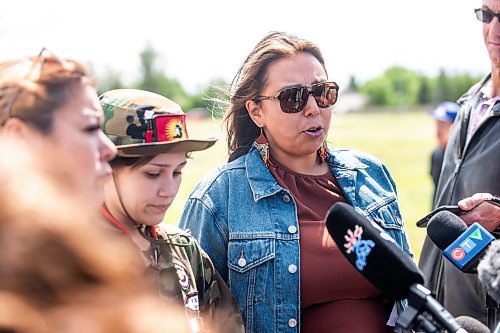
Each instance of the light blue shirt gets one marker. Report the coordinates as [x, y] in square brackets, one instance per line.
[248, 225]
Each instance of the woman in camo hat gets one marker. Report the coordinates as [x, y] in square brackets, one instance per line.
[150, 133]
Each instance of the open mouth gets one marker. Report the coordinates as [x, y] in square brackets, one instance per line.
[313, 130]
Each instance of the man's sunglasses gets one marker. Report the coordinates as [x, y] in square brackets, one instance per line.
[293, 100]
[485, 15]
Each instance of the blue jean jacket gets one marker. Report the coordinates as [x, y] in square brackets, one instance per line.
[248, 225]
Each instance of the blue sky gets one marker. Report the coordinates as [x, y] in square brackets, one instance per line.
[202, 40]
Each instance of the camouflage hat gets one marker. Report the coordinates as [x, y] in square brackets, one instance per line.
[142, 123]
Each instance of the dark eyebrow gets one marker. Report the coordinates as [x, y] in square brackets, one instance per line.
[167, 165]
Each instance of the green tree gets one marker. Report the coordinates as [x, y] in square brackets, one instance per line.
[424, 95]
[443, 89]
[353, 85]
[153, 79]
[398, 86]
[111, 79]
[378, 90]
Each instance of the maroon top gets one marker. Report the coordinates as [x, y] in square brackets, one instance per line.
[335, 297]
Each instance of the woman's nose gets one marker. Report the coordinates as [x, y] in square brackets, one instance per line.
[168, 188]
[311, 109]
[107, 150]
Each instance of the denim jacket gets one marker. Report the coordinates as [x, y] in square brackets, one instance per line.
[248, 225]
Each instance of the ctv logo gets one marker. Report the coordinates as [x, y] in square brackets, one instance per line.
[467, 245]
[465, 249]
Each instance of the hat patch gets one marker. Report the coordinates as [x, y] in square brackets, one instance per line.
[170, 128]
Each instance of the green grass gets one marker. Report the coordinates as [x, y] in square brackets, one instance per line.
[403, 141]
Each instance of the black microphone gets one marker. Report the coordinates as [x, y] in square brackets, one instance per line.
[472, 325]
[372, 251]
[462, 246]
[377, 257]
[489, 270]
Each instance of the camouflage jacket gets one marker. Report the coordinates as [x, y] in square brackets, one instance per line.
[184, 274]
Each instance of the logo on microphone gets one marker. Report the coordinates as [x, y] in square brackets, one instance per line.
[359, 246]
[457, 253]
[463, 251]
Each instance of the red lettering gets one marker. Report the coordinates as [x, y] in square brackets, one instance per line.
[457, 254]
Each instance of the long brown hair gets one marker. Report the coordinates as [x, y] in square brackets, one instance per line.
[251, 79]
[33, 88]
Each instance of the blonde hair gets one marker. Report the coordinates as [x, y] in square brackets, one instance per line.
[33, 88]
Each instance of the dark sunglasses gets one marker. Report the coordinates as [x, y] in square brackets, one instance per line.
[293, 100]
[485, 15]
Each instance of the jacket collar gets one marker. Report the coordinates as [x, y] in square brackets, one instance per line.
[263, 184]
[261, 181]
[473, 90]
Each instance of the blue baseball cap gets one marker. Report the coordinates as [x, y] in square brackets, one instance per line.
[446, 111]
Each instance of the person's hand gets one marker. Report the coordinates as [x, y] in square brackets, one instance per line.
[478, 210]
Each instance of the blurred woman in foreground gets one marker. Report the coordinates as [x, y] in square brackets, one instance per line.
[51, 105]
[59, 272]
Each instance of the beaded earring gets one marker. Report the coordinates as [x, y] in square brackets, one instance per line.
[263, 147]
[323, 151]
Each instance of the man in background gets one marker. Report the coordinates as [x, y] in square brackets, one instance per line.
[471, 165]
[444, 115]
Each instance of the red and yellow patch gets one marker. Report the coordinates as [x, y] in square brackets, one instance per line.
[170, 128]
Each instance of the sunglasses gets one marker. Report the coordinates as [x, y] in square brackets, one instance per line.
[293, 100]
[485, 15]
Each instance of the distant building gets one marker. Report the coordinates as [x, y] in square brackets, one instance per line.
[350, 101]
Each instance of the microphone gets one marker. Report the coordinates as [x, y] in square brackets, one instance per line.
[489, 270]
[372, 251]
[462, 246]
[472, 325]
[465, 250]
[376, 256]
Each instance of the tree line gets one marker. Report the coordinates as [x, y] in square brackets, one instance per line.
[396, 87]
[152, 78]
[399, 86]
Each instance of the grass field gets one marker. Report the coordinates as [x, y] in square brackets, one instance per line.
[403, 141]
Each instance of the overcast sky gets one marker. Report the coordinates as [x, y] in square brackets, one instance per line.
[203, 40]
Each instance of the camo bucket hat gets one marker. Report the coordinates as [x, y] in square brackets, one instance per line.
[142, 123]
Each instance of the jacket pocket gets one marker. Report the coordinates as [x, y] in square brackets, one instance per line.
[388, 216]
[249, 262]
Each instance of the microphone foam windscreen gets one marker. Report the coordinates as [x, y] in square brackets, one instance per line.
[472, 325]
[444, 228]
[372, 251]
[489, 270]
